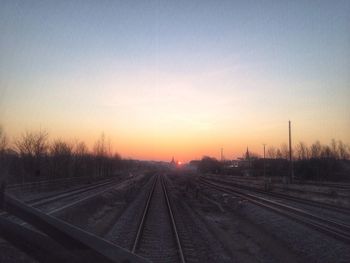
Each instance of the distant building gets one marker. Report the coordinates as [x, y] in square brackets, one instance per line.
[244, 162]
[172, 163]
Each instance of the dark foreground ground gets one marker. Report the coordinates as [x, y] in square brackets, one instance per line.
[213, 226]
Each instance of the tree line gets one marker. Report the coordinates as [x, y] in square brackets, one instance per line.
[33, 156]
[315, 162]
[301, 151]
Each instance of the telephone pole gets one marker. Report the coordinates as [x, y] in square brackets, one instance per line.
[264, 163]
[291, 173]
[266, 183]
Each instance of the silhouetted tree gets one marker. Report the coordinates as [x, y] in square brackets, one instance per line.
[284, 151]
[100, 153]
[61, 158]
[82, 160]
[302, 151]
[334, 149]
[209, 165]
[3, 159]
[320, 162]
[316, 150]
[271, 152]
[343, 150]
[3, 140]
[279, 154]
[32, 147]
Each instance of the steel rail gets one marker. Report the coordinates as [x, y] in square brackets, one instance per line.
[66, 194]
[337, 230]
[86, 246]
[338, 209]
[182, 257]
[171, 214]
[340, 186]
[143, 218]
[46, 182]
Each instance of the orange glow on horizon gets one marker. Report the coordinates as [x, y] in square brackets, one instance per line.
[185, 145]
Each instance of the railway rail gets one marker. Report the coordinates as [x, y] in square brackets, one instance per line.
[335, 229]
[340, 185]
[157, 236]
[343, 186]
[331, 207]
[77, 245]
[78, 194]
[48, 182]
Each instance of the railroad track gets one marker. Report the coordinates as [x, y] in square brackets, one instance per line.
[342, 186]
[334, 208]
[90, 189]
[337, 230]
[77, 245]
[68, 198]
[40, 201]
[47, 183]
[157, 237]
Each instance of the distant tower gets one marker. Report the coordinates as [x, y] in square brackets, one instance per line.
[172, 163]
[247, 157]
[247, 154]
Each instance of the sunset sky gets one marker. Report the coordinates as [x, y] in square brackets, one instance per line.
[176, 78]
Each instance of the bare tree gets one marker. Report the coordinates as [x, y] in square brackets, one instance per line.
[33, 143]
[100, 148]
[3, 147]
[343, 150]
[334, 149]
[80, 149]
[302, 151]
[284, 151]
[32, 147]
[279, 154]
[81, 159]
[315, 150]
[61, 158]
[100, 153]
[271, 152]
[326, 152]
[3, 141]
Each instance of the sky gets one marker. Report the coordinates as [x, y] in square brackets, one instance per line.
[176, 78]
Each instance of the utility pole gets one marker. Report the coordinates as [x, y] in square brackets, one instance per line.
[264, 163]
[265, 181]
[291, 173]
[222, 154]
